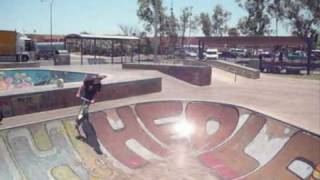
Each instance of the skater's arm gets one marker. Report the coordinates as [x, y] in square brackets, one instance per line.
[79, 90]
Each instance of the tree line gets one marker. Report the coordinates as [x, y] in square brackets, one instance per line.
[302, 17]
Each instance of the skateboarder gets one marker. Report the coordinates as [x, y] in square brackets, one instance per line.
[87, 92]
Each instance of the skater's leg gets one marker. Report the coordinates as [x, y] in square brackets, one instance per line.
[83, 115]
[79, 118]
[82, 109]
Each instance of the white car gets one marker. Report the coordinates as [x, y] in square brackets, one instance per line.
[191, 54]
[211, 54]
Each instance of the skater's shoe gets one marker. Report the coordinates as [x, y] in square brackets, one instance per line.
[81, 138]
[80, 116]
[98, 151]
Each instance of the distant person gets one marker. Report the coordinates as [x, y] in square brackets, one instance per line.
[260, 61]
[1, 116]
[280, 57]
[87, 92]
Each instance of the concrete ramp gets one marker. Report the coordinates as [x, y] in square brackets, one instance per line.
[203, 140]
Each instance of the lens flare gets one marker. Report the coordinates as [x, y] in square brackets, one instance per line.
[184, 129]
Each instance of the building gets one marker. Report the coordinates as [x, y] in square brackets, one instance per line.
[221, 43]
[254, 42]
[46, 37]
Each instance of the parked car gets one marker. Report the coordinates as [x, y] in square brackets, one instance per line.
[239, 52]
[315, 54]
[211, 54]
[267, 55]
[191, 53]
[46, 50]
[45, 54]
[297, 56]
[182, 53]
[226, 54]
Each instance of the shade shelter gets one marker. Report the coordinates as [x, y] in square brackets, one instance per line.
[89, 37]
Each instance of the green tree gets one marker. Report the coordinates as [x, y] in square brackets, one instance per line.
[127, 30]
[172, 27]
[220, 18]
[184, 22]
[257, 22]
[84, 32]
[233, 32]
[303, 16]
[205, 24]
[150, 12]
[274, 9]
[194, 24]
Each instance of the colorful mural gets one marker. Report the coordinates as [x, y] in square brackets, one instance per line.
[11, 79]
[141, 142]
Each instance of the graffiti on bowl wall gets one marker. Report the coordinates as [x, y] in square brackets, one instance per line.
[12, 79]
[19, 80]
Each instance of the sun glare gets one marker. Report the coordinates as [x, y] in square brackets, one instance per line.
[184, 129]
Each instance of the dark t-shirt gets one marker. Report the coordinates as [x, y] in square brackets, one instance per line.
[90, 89]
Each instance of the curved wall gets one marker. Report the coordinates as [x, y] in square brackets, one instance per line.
[230, 142]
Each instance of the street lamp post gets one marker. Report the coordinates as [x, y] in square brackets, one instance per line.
[51, 4]
[51, 7]
[155, 26]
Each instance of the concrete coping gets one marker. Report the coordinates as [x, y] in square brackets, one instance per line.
[4, 65]
[239, 66]
[167, 64]
[68, 85]
[236, 69]
[38, 89]
[176, 63]
[54, 87]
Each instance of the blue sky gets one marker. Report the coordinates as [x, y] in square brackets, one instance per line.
[94, 16]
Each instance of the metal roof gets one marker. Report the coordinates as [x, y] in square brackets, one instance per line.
[102, 37]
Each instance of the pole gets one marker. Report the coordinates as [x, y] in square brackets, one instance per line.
[139, 50]
[95, 47]
[199, 49]
[112, 51]
[309, 48]
[121, 51]
[155, 26]
[81, 49]
[51, 4]
[277, 23]
[65, 44]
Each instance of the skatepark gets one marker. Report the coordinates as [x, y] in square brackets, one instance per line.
[234, 128]
[160, 90]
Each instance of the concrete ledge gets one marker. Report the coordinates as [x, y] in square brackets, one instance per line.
[96, 61]
[25, 103]
[199, 75]
[237, 69]
[4, 65]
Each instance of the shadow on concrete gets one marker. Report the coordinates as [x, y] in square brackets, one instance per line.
[90, 135]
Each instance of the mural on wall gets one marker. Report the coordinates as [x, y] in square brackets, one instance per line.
[12, 79]
[19, 80]
[152, 142]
